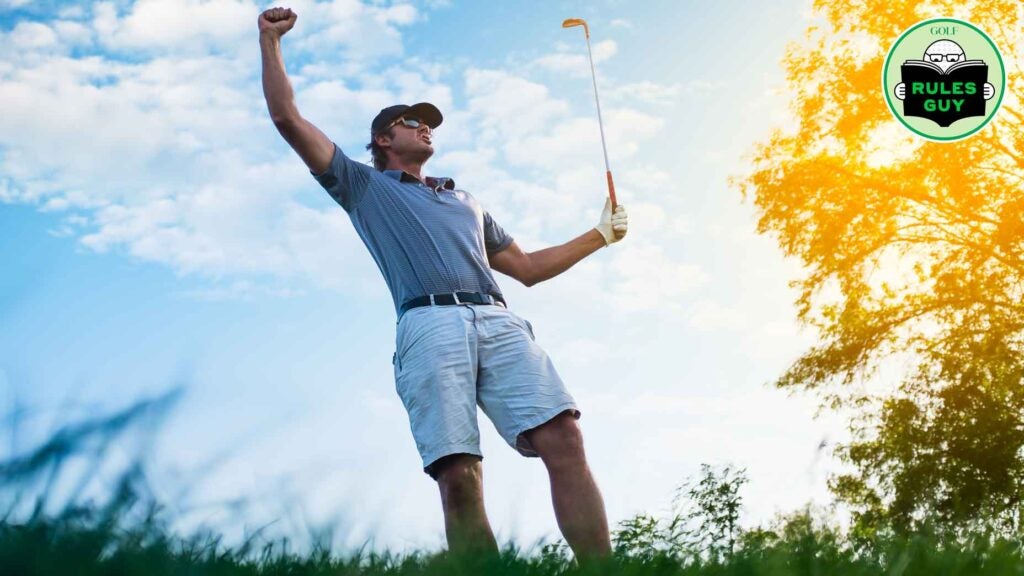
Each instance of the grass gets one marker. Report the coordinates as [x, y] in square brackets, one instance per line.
[127, 534]
[92, 542]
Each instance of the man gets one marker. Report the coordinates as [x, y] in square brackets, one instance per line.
[457, 344]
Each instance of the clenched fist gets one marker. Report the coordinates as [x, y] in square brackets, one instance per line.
[277, 21]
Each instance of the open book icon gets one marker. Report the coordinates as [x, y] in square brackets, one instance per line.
[944, 97]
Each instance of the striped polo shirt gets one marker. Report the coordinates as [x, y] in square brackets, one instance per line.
[425, 238]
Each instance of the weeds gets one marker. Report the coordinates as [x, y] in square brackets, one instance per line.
[50, 527]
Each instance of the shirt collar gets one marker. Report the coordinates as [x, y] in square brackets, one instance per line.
[403, 176]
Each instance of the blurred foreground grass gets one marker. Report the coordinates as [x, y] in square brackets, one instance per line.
[88, 542]
[50, 527]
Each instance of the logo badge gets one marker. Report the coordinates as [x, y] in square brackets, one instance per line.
[944, 79]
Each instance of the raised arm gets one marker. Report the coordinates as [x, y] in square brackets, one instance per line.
[533, 267]
[315, 148]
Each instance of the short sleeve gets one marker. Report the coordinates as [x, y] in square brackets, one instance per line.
[495, 237]
[345, 180]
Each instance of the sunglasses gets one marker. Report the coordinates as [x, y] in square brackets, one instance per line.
[409, 122]
[949, 57]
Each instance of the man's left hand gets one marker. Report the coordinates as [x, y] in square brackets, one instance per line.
[613, 225]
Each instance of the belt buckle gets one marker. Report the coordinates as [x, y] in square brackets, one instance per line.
[456, 296]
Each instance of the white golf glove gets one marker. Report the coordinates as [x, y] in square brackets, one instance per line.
[613, 226]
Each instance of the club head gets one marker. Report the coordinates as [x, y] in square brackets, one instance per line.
[571, 22]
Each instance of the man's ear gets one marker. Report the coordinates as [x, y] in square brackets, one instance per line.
[382, 140]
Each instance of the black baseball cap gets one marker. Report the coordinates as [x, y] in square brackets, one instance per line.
[424, 111]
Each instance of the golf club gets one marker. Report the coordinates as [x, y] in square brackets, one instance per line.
[569, 23]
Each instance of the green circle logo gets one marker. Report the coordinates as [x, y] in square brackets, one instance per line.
[944, 79]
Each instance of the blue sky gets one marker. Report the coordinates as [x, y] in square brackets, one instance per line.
[157, 232]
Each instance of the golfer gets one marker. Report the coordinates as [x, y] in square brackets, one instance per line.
[457, 344]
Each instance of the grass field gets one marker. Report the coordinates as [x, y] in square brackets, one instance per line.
[88, 541]
[69, 547]
[127, 533]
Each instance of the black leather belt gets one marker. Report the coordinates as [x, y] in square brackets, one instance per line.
[452, 299]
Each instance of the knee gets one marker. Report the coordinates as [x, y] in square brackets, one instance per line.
[559, 442]
[460, 478]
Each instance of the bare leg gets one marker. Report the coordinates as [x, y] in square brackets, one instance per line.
[460, 480]
[579, 508]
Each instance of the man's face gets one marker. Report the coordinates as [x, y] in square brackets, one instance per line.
[944, 53]
[411, 143]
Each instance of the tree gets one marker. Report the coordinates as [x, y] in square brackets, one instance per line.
[716, 509]
[914, 262]
[704, 521]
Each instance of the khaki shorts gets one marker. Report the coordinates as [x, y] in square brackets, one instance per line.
[450, 359]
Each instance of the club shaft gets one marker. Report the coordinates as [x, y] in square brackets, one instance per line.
[600, 123]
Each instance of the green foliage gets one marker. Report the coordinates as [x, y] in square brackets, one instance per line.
[717, 508]
[703, 524]
[82, 543]
[127, 534]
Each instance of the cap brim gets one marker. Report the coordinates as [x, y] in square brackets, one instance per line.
[427, 112]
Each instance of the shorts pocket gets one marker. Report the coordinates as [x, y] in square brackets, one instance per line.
[396, 363]
[529, 328]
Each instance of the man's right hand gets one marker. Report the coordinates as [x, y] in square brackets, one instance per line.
[277, 21]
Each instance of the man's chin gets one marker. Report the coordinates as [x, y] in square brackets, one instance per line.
[424, 154]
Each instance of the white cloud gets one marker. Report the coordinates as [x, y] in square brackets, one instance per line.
[626, 128]
[131, 127]
[191, 26]
[73, 11]
[31, 35]
[580, 351]
[646, 91]
[544, 135]
[73, 33]
[496, 94]
[364, 32]
[571, 141]
[104, 18]
[651, 217]
[708, 315]
[240, 226]
[577, 63]
[7, 194]
[341, 111]
[645, 277]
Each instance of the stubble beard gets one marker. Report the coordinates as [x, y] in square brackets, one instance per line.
[421, 154]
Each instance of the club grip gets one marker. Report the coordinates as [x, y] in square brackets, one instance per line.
[611, 189]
